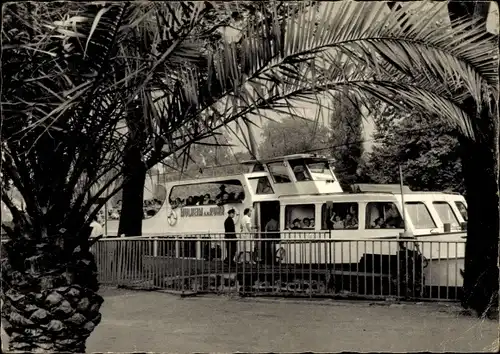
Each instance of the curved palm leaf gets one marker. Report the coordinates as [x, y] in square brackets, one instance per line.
[274, 64]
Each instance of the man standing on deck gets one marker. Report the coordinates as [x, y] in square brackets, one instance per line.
[230, 234]
[271, 232]
[246, 229]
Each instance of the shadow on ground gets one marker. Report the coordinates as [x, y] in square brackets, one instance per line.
[158, 322]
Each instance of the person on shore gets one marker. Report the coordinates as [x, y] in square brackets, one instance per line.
[230, 236]
[246, 229]
[271, 233]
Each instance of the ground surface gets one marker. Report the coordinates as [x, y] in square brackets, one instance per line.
[158, 322]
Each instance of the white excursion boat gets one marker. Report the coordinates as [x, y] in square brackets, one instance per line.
[302, 193]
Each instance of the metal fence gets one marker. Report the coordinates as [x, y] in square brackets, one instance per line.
[291, 265]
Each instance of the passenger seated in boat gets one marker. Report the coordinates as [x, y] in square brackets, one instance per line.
[114, 215]
[350, 222]
[394, 222]
[300, 176]
[207, 200]
[338, 223]
[296, 224]
[222, 198]
[306, 223]
[221, 193]
[379, 223]
[190, 201]
[177, 203]
[312, 224]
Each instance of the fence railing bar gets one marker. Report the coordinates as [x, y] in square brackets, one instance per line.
[313, 265]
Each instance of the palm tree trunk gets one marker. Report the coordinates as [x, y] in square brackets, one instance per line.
[134, 173]
[133, 193]
[481, 176]
[50, 302]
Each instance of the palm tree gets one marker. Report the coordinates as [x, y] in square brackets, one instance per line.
[481, 175]
[482, 181]
[65, 99]
[206, 89]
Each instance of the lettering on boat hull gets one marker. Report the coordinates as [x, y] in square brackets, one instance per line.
[202, 211]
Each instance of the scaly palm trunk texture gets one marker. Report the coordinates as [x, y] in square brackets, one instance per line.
[50, 300]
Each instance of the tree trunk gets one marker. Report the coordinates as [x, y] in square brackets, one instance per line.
[51, 304]
[133, 194]
[134, 174]
[481, 169]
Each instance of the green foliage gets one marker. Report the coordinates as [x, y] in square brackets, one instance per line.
[427, 149]
[210, 157]
[293, 136]
[346, 139]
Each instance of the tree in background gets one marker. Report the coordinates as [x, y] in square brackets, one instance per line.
[293, 136]
[480, 149]
[346, 139]
[425, 146]
[210, 157]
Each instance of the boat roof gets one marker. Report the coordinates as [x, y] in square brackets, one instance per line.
[387, 188]
[287, 157]
[381, 196]
[340, 197]
[396, 189]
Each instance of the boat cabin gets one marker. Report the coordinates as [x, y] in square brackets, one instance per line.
[366, 214]
[200, 206]
[298, 174]
[302, 192]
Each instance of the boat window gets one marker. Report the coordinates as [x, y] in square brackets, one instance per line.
[150, 206]
[446, 213]
[261, 185]
[300, 170]
[279, 172]
[299, 217]
[419, 215]
[463, 210]
[339, 216]
[320, 171]
[383, 215]
[208, 193]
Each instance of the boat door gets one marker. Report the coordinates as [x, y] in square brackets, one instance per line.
[265, 211]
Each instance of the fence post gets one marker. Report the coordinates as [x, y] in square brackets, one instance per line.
[155, 247]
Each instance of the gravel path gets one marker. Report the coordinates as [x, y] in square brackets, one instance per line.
[158, 322]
